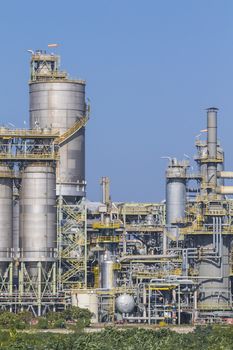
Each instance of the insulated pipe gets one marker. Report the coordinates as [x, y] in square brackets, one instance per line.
[225, 174]
[212, 146]
[225, 190]
[146, 257]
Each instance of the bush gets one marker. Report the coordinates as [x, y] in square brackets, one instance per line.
[8, 319]
[11, 320]
[25, 316]
[74, 313]
[42, 323]
[203, 338]
[54, 316]
[60, 323]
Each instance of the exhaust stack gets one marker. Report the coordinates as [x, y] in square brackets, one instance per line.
[212, 148]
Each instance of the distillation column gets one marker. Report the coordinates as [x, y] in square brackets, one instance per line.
[175, 192]
[213, 247]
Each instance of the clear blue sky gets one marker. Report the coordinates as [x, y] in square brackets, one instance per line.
[152, 67]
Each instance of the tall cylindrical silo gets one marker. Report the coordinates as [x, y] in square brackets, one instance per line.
[59, 103]
[38, 213]
[6, 218]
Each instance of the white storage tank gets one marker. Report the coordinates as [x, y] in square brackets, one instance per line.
[125, 304]
[86, 299]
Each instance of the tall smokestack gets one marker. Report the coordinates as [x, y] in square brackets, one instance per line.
[212, 148]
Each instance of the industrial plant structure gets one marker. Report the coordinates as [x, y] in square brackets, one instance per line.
[126, 262]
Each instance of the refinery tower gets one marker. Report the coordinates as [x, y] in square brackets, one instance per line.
[41, 167]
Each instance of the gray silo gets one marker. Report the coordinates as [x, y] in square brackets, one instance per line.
[58, 102]
[38, 213]
[6, 218]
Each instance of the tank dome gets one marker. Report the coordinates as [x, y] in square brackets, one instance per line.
[125, 303]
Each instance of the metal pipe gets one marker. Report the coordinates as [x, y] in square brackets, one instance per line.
[225, 174]
[179, 310]
[195, 306]
[146, 257]
[224, 189]
[137, 318]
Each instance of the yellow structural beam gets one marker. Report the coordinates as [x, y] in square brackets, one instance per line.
[28, 134]
[143, 228]
[81, 122]
[110, 225]
[29, 156]
[10, 175]
[106, 239]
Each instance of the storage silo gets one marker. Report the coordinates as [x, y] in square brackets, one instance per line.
[38, 213]
[6, 218]
[58, 102]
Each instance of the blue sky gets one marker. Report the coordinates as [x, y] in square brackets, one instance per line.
[152, 67]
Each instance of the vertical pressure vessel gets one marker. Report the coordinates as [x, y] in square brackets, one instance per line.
[175, 191]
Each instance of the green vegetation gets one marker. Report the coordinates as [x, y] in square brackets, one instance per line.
[203, 338]
[73, 317]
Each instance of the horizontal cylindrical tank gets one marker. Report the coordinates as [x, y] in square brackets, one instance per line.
[38, 212]
[88, 300]
[125, 303]
[6, 218]
[59, 104]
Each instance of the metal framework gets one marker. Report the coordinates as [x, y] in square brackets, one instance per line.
[72, 245]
